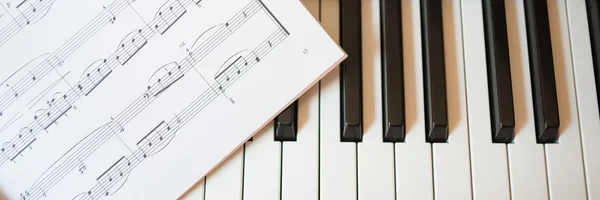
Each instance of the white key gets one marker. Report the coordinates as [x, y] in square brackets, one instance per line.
[338, 159]
[225, 182]
[527, 165]
[300, 160]
[196, 192]
[451, 170]
[488, 160]
[262, 165]
[413, 157]
[564, 159]
[300, 173]
[589, 121]
[375, 158]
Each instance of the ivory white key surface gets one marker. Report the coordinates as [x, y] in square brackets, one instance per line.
[300, 168]
[451, 166]
[489, 166]
[413, 157]
[196, 192]
[337, 159]
[262, 166]
[225, 181]
[589, 122]
[375, 157]
[300, 160]
[526, 158]
[564, 159]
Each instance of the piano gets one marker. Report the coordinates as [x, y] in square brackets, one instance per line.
[444, 100]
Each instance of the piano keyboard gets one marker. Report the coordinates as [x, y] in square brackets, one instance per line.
[457, 100]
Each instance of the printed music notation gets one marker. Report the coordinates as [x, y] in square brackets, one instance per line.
[133, 87]
[19, 14]
[22, 81]
[159, 136]
[152, 143]
[99, 70]
[95, 73]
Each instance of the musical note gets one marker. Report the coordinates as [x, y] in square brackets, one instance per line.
[156, 139]
[30, 12]
[165, 77]
[169, 13]
[59, 103]
[113, 17]
[256, 58]
[24, 196]
[15, 93]
[131, 44]
[93, 75]
[225, 71]
[247, 12]
[23, 141]
[227, 25]
[44, 118]
[50, 103]
[82, 166]
[115, 176]
[33, 77]
[22, 14]
[43, 93]
[6, 150]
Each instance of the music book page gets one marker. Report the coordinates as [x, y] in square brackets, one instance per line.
[140, 99]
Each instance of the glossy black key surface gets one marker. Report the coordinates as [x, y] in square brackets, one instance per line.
[286, 124]
[351, 71]
[498, 69]
[392, 71]
[541, 62]
[434, 73]
[593, 13]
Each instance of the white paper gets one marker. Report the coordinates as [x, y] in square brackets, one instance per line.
[139, 99]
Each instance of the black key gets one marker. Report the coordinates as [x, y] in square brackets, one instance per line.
[542, 71]
[593, 12]
[351, 71]
[434, 73]
[498, 70]
[286, 124]
[392, 71]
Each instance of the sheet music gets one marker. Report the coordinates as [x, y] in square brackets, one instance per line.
[139, 99]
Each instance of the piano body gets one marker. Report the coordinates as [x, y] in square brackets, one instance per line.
[444, 100]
